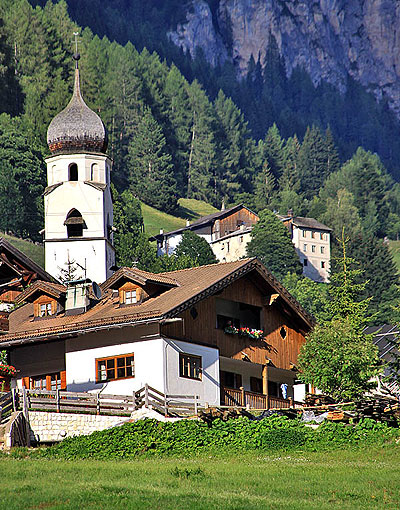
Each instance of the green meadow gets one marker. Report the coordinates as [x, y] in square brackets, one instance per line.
[366, 478]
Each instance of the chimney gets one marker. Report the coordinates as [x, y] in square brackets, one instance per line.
[161, 231]
[187, 223]
[223, 205]
[290, 213]
[77, 301]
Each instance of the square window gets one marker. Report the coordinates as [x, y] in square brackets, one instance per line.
[130, 297]
[45, 310]
[322, 264]
[116, 367]
[313, 248]
[304, 247]
[322, 249]
[304, 233]
[190, 366]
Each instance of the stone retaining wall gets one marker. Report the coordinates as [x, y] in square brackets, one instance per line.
[50, 427]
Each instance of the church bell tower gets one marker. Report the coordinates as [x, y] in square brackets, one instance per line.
[77, 200]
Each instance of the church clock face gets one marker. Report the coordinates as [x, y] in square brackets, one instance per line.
[78, 204]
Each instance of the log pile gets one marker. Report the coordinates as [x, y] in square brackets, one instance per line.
[379, 409]
[312, 400]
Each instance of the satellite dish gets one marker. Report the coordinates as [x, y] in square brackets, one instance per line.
[96, 290]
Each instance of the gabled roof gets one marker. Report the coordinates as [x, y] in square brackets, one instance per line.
[192, 285]
[301, 222]
[53, 289]
[203, 221]
[138, 276]
[22, 259]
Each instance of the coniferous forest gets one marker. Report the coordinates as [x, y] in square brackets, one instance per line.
[178, 128]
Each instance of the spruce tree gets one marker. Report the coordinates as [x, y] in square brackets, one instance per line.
[151, 172]
[271, 243]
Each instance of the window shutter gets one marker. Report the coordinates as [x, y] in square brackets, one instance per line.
[25, 382]
[63, 379]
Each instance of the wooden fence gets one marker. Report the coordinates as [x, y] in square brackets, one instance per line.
[61, 401]
[7, 405]
[252, 400]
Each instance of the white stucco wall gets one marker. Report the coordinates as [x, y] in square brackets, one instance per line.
[98, 256]
[156, 363]
[304, 243]
[208, 388]
[170, 244]
[81, 365]
[232, 248]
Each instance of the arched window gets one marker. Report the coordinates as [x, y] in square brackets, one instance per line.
[73, 172]
[94, 172]
[74, 223]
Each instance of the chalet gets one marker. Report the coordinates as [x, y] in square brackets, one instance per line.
[17, 271]
[213, 331]
[227, 232]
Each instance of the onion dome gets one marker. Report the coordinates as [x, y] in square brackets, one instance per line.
[77, 128]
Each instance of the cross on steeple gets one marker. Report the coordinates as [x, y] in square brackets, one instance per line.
[76, 56]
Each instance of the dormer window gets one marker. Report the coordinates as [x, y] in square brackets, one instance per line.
[130, 297]
[45, 306]
[45, 309]
[130, 294]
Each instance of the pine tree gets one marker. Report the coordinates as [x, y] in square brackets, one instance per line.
[312, 166]
[151, 173]
[271, 243]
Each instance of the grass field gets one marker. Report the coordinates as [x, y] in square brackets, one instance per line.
[188, 209]
[31, 250]
[360, 479]
[395, 249]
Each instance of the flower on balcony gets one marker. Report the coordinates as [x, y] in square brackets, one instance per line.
[231, 330]
[252, 333]
[249, 332]
[7, 369]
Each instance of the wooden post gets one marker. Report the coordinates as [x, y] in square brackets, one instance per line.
[25, 404]
[14, 399]
[58, 400]
[97, 403]
[165, 405]
[290, 402]
[146, 395]
[243, 396]
[195, 404]
[265, 382]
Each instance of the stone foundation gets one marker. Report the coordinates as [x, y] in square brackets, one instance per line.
[52, 427]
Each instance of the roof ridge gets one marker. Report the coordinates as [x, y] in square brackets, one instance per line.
[247, 259]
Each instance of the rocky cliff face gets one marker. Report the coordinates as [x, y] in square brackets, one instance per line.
[331, 39]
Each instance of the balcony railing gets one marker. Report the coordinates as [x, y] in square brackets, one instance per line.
[243, 398]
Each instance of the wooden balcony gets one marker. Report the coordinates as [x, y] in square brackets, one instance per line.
[252, 400]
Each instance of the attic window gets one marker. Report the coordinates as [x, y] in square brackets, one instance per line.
[45, 307]
[130, 294]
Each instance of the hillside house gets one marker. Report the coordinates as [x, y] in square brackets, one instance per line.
[312, 241]
[227, 232]
[179, 332]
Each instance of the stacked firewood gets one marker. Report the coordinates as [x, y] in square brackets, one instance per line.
[312, 400]
[377, 408]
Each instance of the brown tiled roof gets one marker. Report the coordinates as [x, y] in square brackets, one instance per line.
[140, 276]
[193, 285]
[54, 289]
